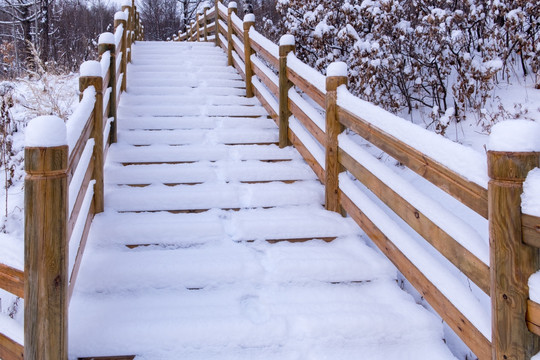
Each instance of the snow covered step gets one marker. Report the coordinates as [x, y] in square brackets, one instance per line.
[345, 260]
[220, 171]
[186, 137]
[124, 153]
[134, 101]
[195, 122]
[185, 230]
[298, 320]
[177, 67]
[181, 74]
[183, 90]
[210, 196]
[190, 82]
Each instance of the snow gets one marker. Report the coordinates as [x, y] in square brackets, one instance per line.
[80, 172]
[268, 45]
[534, 287]
[78, 229]
[465, 161]
[263, 90]
[46, 131]
[530, 199]
[12, 329]
[308, 109]
[126, 3]
[515, 135]
[118, 38]
[463, 233]
[265, 69]
[307, 72]
[120, 15]
[311, 144]
[77, 121]
[90, 68]
[106, 38]
[232, 5]
[338, 68]
[458, 294]
[287, 39]
[105, 63]
[249, 18]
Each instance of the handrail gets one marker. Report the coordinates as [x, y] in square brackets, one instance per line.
[329, 152]
[65, 182]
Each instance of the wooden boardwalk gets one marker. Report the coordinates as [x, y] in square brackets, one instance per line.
[189, 260]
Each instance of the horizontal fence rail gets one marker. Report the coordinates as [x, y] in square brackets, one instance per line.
[330, 127]
[63, 192]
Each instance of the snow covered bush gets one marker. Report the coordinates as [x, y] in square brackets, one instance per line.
[443, 56]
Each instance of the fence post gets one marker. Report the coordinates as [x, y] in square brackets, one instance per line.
[216, 20]
[511, 261]
[120, 19]
[129, 21]
[231, 9]
[286, 45]
[205, 10]
[91, 76]
[106, 43]
[249, 21]
[45, 237]
[198, 26]
[193, 30]
[336, 75]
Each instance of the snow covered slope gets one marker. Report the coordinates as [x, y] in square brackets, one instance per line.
[188, 260]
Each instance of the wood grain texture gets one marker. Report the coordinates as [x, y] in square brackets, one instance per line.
[80, 199]
[333, 129]
[247, 59]
[450, 314]
[530, 228]
[123, 50]
[9, 349]
[472, 195]
[512, 261]
[463, 259]
[46, 253]
[237, 46]
[266, 105]
[533, 317]
[284, 85]
[78, 150]
[230, 34]
[113, 106]
[306, 86]
[12, 280]
[80, 251]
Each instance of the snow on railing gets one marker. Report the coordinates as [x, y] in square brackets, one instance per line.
[64, 166]
[439, 241]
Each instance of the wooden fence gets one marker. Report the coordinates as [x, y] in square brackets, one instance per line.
[63, 192]
[285, 86]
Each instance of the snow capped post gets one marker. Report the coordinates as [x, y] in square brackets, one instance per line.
[514, 149]
[45, 237]
[231, 9]
[90, 75]
[205, 21]
[249, 21]
[106, 43]
[128, 10]
[286, 45]
[336, 75]
[120, 19]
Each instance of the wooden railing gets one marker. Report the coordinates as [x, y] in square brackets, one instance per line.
[63, 192]
[319, 116]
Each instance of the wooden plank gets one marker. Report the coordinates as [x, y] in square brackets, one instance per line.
[239, 68]
[239, 50]
[272, 86]
[239, 32]
[307, 87]
[223, 31]
[9, 349]
[266, 104]
[462, 258]
[307, 122]
[530, 228]
[80, 251]
[512, 262]
[472, 195]
[450, 314]
[12, 280]
[265, 54]
[78, 150]
[309, 159]
[533, 317]
[80, 198]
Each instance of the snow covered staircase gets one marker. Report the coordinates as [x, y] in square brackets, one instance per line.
[189, 261]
